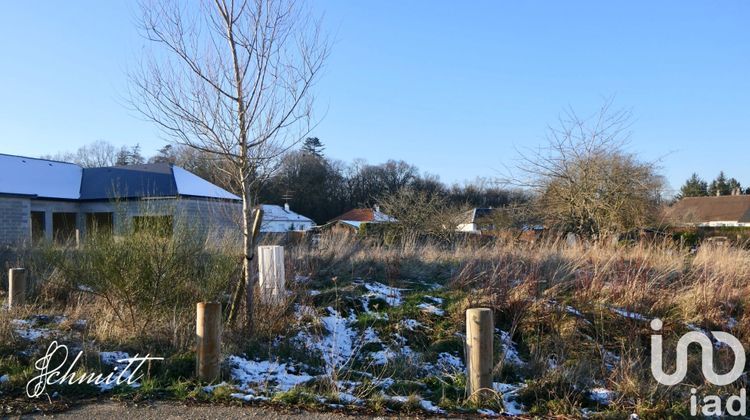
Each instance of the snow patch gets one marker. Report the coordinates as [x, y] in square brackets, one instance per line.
[431, 309]
[628, 314]
[391, 295]
[338, 345]
[267, 374]
[602, 396]
[509, 393]
[112, 358]
[509, 348]
[448, 361]
[411, 324]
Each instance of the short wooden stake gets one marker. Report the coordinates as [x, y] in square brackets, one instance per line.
[208, 341]
[16, 287]
[271, 273]
[479, 333]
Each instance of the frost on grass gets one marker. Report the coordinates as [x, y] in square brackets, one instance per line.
[249, 374]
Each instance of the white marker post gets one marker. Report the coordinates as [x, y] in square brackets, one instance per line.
[272, 273]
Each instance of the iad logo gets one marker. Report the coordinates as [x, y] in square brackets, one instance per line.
[707, 357]
[711, 404]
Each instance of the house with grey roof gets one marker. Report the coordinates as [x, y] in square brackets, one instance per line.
[45, 199]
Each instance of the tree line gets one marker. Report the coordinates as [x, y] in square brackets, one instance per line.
[314, 184]
[695, 186]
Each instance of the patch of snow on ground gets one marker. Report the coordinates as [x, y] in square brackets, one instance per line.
[112, 358]
[26, 330]
[338, 344]
[628, 314]
[509, 393]
[448, 361]
[382, 357]
[249, 397]
[411, 324]
[371, 336]
[349, 398]
[428, 406]
[431, 309]
[210, 388]
[487, 412]
[509, 348]
[264, 373]
[436, 300]
[391, 295]
[601, 395]
[574, 311]
[314, 292]
[4, 378]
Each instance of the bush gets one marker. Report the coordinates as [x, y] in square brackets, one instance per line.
[144, 278]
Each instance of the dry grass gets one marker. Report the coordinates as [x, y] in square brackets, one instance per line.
[533, 288]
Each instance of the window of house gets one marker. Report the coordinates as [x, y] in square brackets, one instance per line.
[99, 223]
[37, 226]
[64, 227]
[159, 225]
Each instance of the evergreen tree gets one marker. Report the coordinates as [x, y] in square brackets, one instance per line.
[720, 185]
[723, 186]
[694, 187]
[313, 146]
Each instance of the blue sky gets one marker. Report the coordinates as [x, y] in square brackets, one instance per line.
[453, 87]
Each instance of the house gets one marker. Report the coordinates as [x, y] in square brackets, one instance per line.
[477, 220]
[356, 217]
[46, 199]
[720, 211]
[279, 219]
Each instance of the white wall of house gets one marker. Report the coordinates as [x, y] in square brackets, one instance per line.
[467, 227]
[723, 223]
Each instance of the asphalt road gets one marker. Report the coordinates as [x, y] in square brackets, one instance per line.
[168, 411]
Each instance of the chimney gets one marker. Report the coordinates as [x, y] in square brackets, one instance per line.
[286, 206]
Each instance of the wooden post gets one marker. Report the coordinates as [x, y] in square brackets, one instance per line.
[271, 273]
[479, 333]
[16, 287]
[208, 341]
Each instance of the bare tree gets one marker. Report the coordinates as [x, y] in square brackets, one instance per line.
[584, 179]
[95, 155]
[232, 79]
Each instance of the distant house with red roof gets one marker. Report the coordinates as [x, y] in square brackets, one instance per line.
[356, 217]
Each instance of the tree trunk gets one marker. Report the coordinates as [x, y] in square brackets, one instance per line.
[248, 237]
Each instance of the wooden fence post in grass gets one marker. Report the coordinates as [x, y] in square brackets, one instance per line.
[271, 273]
[208, 341]
[16, 287]
[479, 333]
